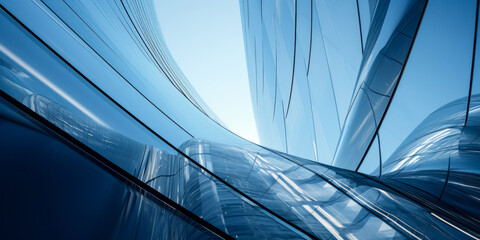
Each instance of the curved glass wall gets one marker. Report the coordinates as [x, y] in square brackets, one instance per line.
[93, 89]
[405, 116]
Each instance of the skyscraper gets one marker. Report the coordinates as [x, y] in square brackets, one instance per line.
[385, 88]
[374, 103]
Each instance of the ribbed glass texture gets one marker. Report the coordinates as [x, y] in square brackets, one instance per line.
[384, 88]
[103, 137]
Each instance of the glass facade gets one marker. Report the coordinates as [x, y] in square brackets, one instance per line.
[367, 116]
[383, 88]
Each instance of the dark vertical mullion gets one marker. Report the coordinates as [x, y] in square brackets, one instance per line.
[360, 27]
[311, 33]
[379, 156]
[473, 66]
[294, 60]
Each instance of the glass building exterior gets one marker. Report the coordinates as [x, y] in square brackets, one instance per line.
[367, 112]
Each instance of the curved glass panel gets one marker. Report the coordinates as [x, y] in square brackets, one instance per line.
[393, 207]
[54, 91]
[324, 109]
[341, 34]
[371, 163]
[378, 79]
[74, 195]
[462, 189]
[100, 76]
[427, 107]
[299, 126]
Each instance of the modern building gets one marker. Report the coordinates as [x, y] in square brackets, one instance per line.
[385, 88]
[367, 114]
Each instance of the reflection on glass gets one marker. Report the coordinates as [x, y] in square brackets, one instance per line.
[322, 71]
[371, 163]
[377, 79]
[72, 194]
[439, 57]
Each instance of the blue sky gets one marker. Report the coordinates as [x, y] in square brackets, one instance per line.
[206, 40]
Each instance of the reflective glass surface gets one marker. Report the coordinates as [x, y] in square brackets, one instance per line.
[119, 145]
[392, 88]
[67, 194]
[378, 79]
[62, 96]
[322, 200]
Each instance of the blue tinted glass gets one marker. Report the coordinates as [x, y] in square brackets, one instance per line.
[409, 217]
[463, 185]
[63, 97]
[364, 15]
[298, 122]
[102, 74]
[359, 131]
[371, 163]
[77, 54]
[48, 86]
[160, 77]
[285, 11]
[376, 87]
[74, 195]
[433, 89]
[340, 29]
[324, 108]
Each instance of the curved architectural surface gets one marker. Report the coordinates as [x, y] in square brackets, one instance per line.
[102, 137]
[384, 88]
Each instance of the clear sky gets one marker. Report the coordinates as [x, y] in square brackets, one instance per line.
[205, 38]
